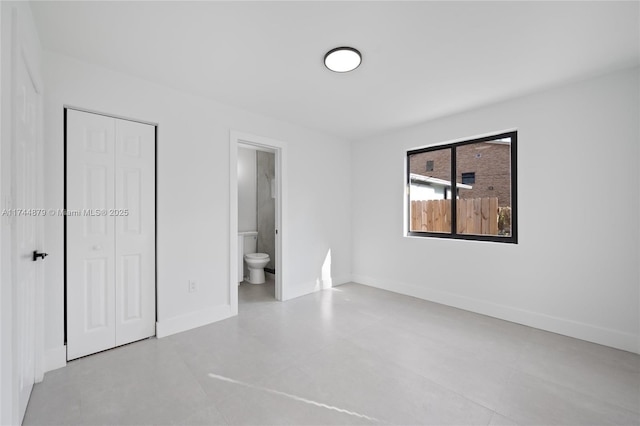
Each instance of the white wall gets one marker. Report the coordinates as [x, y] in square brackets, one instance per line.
[424, 192]
[575, 269]
[247, 190]
[193, 192]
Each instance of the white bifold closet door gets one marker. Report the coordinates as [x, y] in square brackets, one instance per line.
[110, 232]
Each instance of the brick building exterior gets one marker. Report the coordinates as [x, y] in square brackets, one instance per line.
[486, 166]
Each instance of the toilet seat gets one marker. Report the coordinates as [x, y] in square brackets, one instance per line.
[256, 256]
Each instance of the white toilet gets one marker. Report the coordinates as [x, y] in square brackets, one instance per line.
[252, 269]
[256, 263]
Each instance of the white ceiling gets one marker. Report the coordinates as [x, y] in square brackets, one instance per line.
[420, 59]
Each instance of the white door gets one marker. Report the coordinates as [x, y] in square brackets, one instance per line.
[90, 240]
[110, 240]
[135, 231]
[26, 119]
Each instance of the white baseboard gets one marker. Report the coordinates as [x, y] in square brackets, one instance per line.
[55, 358]
[591, 333]
[192, 320]
[313, 286]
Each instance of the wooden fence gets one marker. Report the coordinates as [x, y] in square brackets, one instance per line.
[477, 216]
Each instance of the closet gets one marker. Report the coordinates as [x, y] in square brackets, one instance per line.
[109, 232]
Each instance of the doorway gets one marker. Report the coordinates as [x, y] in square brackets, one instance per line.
[256, 224]
[270, 188]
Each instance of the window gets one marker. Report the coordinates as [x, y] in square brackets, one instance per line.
[449, 203]
[429, 165]
[469, 178]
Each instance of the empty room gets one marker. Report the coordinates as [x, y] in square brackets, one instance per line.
[319, 212]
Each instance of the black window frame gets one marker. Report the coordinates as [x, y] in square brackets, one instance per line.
[513, 238]
[470, 178]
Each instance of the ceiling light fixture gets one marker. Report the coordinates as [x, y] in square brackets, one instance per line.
[342, 59]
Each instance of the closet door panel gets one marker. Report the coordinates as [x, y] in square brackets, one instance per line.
[135, 231]
[90, 244]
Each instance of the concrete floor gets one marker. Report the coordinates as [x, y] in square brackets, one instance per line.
[347, 355]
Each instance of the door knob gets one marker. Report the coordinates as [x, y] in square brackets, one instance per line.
[36, 255]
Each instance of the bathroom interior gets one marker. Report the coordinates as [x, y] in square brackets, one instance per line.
[256, 224]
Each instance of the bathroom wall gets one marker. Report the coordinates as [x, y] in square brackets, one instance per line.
[266, 173]
[247, 190]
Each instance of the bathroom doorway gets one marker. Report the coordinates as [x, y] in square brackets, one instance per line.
[257, 195]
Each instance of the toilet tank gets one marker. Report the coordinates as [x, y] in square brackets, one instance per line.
[249, 241]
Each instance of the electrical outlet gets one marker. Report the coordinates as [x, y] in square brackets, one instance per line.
[193, 287]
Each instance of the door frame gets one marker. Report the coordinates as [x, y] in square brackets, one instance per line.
[64, 226]
[279, 148]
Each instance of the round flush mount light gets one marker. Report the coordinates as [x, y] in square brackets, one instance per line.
[342, 59]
